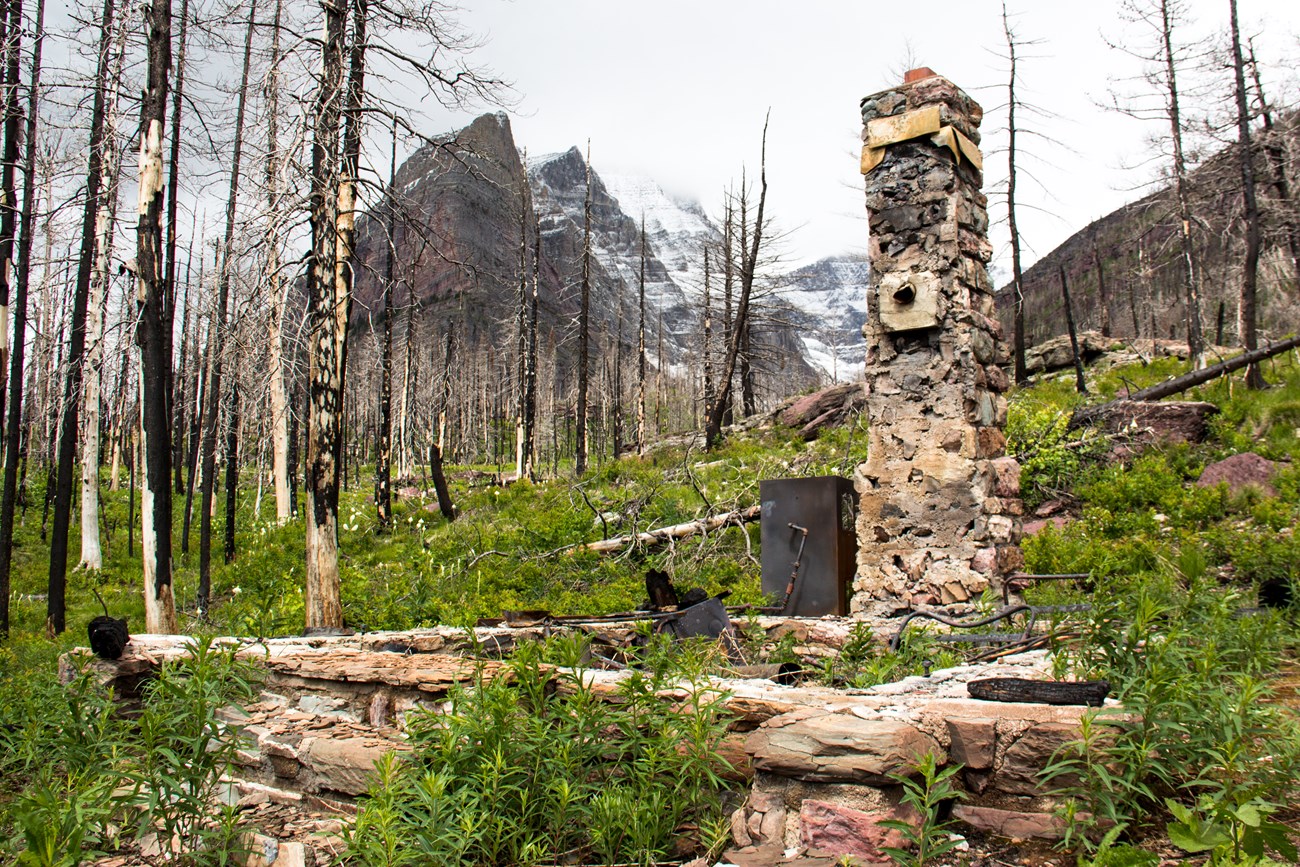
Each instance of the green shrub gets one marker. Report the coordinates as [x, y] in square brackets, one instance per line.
[537, 768]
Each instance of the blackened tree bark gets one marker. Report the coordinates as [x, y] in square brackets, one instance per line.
[1245, 156]
[153, 334]
[325, 343]
[383, 450]
[441, 406]
[530, 360]
[173, 202]
[217, 334]
[15, 445]
[1074, 340]
[62, 500]
[11, 25]
[232, 466]
[1103, 292]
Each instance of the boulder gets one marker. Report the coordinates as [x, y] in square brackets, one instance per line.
[1013, 824]
[812, 413]
[1165, 421]
[839, 830]
[1056, 354]
[837, 747]
[345, 765]
[1246, 470]
[1020, 772]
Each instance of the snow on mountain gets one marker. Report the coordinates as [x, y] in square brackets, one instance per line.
[825, 302]
[828, 303]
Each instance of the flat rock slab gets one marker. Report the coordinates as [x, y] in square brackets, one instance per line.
[838, 748]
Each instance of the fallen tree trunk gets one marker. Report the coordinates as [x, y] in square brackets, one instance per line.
[1089, 414]
[679, 531]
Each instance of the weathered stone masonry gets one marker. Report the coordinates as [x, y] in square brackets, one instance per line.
[940, 507]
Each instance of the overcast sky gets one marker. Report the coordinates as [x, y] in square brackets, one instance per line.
[676, 90]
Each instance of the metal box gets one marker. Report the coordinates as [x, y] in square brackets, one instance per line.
[826, 506]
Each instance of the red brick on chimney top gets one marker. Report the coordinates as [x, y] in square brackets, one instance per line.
[917, 74]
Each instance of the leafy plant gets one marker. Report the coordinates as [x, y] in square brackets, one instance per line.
[1111, 853]
[537, 766]
[184, 745]
[928, 838]
[1232, 833]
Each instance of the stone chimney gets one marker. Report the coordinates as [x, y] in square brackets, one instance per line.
[939, 520]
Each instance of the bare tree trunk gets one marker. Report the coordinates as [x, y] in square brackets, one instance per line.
[325, 344]
[203, 365]
[640, 340]
[521, 325]
[1074, 341]
[180, 394]
[11, 34]
[14, 444]
[232, 466]
[708, 334]
[217, 334]
[410, 385]
[55, 599]
[728, 287]
[749, 259]
[584, 314]
[154, 336]
[92, 556]
[1103, 294]
[1020, 371]
[436, 441]
[275, 286]
[173, 201]
[383, 451]
[1195, 338]
[1250, 275]
[616, 403]
[1273, 149]
[530, 359]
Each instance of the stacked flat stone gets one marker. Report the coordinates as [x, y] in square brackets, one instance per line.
[939, 519]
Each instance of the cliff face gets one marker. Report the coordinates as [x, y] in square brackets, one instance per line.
[457, 241]
[1125, 270]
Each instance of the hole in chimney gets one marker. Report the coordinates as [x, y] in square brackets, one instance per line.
[905, 294]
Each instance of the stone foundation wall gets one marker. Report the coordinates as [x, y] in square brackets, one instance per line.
[939, 518]
[816, 761]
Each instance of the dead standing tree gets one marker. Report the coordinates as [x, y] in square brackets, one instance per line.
[154, 333]
[749, 257]
[325, 345]
[14, 427]
[1245, 156]
[1164, 59]
[218, 333]
[57, 588]
[331, 201]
